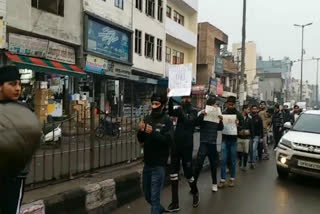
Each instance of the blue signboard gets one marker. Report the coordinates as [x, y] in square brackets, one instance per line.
[108, 41]
[218, 65]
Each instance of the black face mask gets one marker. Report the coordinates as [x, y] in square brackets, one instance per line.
[156, 112]
[186, 105]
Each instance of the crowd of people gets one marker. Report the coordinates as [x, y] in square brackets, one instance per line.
[160, 139]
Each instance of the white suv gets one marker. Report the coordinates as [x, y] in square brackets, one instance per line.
[298, 151]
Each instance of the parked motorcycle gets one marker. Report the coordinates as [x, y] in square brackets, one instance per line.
[107, 127]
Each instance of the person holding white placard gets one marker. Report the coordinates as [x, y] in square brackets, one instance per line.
[208, 143]
[232, 120]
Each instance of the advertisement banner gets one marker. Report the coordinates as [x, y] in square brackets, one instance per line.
[218, 65]
[219, 89]
[213, 86]
[108, 41]
[180, 80]
[26, 45]
[61, 53]
[97, 65]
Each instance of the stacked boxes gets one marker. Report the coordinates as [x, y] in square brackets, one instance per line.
[82, 109]
[41, 104]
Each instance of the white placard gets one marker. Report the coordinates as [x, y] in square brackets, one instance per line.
[212, 114]
[230, 125]
[180, 80]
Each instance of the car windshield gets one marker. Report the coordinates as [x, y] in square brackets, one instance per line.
[308, 123]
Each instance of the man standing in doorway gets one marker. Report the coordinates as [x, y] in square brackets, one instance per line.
[277, 124]
[155, 135]
[182, 149]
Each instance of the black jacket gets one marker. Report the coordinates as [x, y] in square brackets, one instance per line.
[209, 130]
[246, 125]
[277, 120]
[157, 144]
[292, 120]
[286, 116]
[257, 126]
[240, 124]
[187, 118]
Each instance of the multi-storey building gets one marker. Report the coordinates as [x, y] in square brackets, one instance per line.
[181, 33]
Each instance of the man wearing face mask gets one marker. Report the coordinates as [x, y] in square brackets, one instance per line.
[156, 136]
[182, 150]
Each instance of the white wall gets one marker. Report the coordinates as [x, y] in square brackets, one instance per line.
[180, 32]
[107, 10]
[22, 16]
[155, 28]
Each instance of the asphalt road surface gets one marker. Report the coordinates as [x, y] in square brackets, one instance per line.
[257, 191]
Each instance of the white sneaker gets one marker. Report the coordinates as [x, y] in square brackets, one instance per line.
[214, 188]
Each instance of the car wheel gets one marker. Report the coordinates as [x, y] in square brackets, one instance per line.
[282, 172]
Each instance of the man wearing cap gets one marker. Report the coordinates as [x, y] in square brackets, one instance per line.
[182, 149]
[155, 135]
[20, 134]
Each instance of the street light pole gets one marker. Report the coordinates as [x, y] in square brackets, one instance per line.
[243, 51]
[302, 54]
[317, 84]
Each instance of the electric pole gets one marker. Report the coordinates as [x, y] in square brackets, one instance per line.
[243, 52]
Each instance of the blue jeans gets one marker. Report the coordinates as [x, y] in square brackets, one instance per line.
[152, 182]
[229, 152]
[254, 149]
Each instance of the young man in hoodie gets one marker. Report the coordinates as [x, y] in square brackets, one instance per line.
[14, 141]
[208, 144]
[182, 149]
[156, 136]
[244, 138]
[229, 145]
[257, 135]
[277, 124]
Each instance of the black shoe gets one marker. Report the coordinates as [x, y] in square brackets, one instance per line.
[196, 200]
[173, 207]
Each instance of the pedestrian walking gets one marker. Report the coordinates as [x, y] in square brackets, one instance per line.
[277, 124]
[244, 138]
[182, 149]
[295, 114]
[229, 145]
[257, 135]
[208, 144]
[286, 114]
[155, 135]
[20, 135]
[267, 122]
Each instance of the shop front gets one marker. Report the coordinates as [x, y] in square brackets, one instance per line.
[47, 72]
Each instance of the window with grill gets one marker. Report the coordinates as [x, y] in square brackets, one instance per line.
[149, 46]
[50, 6]
[139, 4]
[168, 55]
[160, 10]
[177, 17]
[150, 7]
[138, 42]
[178, 57]
[169, 12]
[118, 3]
[159, 49]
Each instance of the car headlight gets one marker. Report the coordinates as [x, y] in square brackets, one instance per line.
[286, 143]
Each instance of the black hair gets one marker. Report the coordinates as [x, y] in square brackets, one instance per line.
[296, 106]
[262, 102]
[211, 101]
[160, 97]
[254, 106]
[244, 107]
[277, 106]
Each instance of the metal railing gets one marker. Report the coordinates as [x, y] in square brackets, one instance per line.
[81, 144]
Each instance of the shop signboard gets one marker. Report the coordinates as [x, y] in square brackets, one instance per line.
[198, 89]
[218, 65]
[219, 89]
[61, 53]
[26, 45]
[96, 65]
[213, 86]
[108, 41]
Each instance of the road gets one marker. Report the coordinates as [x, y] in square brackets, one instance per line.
[257, 191]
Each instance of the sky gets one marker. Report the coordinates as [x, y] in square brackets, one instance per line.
[270, 26]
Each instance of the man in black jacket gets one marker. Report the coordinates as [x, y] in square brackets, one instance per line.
[229, 143]
[244, 138]
[277, 124]
[257, 135]
[155, 135]
[15, 148]
[182, 149]
[286, 114]
[208, 144]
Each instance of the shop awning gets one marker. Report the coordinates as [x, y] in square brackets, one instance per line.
[44, 65]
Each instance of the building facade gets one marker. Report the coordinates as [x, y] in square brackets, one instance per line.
[250, 64]
[181, 33]
[271, 87]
